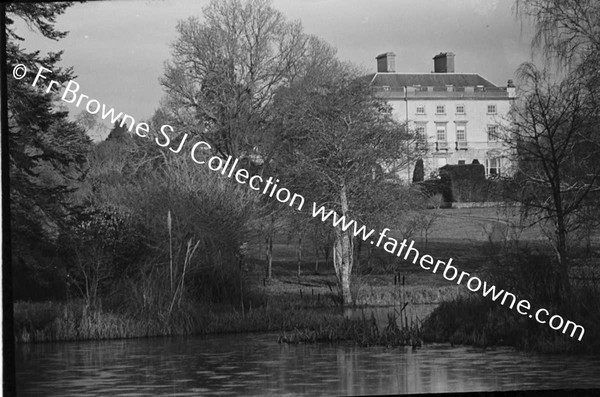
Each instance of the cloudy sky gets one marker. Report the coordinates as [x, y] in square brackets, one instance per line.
[118, 48]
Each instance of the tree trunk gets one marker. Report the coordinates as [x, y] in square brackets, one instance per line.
[343, 253]
[563, 284]
[269, 255]
[299, 254]
[269, 247]
[358, 251]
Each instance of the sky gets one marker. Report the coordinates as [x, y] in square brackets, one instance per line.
[118, 48]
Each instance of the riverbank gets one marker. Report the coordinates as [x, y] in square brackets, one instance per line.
[56, 321]
[301, 305]
[70, 321]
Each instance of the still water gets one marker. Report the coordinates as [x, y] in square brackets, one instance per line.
[255, 364]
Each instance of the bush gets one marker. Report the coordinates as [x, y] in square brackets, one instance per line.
[481, 322]
[205, 209]
[167, 232]
[532, 275]
[419, 172]
[524, 271]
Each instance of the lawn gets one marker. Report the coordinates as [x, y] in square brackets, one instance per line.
[459, 233]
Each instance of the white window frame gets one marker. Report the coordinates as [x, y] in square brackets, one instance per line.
[438, 128]
[489, 168]
[437, 109]
[464, 127]
[492, 108]
[463, 109]
[420, 107]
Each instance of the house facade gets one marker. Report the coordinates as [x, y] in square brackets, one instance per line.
[457, 116]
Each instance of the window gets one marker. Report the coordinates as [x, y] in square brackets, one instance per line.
[386, 87]
[461, 133]
[491, 109]
[441, 132]
[460, 109]
[461, 162]
[440, 109]
[492, 167]
[492, 133]
[461, 137]
[420, 109]
[421, 132]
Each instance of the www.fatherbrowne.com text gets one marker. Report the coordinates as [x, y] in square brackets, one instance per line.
[228, 167]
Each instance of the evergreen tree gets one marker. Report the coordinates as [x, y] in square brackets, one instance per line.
[419, 172]
[118, 133]
[47, 151]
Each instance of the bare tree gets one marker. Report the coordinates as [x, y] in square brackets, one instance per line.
[555, 139]
[225, 70]
[565, 30]
[337, 135]
[321, 237]
[429, 215]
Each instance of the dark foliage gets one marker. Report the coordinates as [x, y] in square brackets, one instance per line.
[47, 155]
[419, 172]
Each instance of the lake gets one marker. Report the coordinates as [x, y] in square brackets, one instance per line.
[255, 364]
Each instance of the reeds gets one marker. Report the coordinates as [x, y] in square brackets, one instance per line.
[53, 321]
[362, 331]
[73, 321]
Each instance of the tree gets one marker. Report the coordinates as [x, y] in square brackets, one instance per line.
[335, 138]
[419, 172]
[91, 124]
[565, 115]
[221, 82]
[47, 152]
[119, 133]
[555, 138]
[565, 30]
[429, 214]
[321, 237]
[225, 70]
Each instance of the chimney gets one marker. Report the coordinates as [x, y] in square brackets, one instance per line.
[511, 89]
[443, 62]
[386, 63]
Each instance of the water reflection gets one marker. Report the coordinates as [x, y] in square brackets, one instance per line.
[254, 364]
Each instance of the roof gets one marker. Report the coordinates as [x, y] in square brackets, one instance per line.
[429, 80]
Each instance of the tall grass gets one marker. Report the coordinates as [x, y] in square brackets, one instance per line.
[360, 331]
[53, 321]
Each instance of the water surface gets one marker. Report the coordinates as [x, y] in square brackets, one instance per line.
[255, 364]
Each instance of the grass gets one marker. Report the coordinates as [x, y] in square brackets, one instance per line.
[56, 321]
[60, 321]
[362, 331]
[460, 319]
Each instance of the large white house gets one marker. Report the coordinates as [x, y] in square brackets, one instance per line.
[457, 115]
